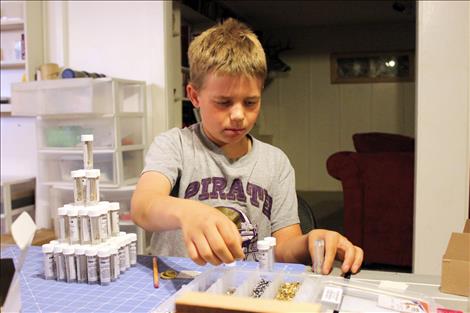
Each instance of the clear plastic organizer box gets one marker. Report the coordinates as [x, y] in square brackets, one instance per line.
[332, 293]
[56, 167]
[65, 133]
[77, 96]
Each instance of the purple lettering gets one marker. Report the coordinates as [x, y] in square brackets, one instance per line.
[236, 190]
[205, 189]
[218, 186]
[267, 205]
[191, 190]
[256, 193]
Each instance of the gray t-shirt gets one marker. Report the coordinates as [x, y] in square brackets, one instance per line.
[257, 191]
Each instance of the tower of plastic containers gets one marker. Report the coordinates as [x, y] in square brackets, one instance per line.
[90, 248]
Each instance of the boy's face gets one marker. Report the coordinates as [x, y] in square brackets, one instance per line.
[229, 106]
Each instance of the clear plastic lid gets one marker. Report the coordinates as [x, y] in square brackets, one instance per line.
[91, 251]
[68, 250]
[47, 248]
[262, 245]
[59, 248]
[94, 211]
[114, 206]
[80, 249]
[62, 211]
[86, 138]
[82, 210]
[132, 236]
[103, 252]
[94, 173]
[77, 173]
[270, 240]
[73, 211]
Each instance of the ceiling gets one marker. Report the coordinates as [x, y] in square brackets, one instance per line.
[267, 14]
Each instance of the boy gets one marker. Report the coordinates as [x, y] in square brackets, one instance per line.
[232, 188]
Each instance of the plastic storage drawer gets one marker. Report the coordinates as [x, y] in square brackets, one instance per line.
[65, 133]
[65, 96]
[130, 96]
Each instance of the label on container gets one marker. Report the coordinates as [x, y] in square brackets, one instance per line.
[332, 295]
[85, 229]
[92, 269]
[105, 270]
[73, 229]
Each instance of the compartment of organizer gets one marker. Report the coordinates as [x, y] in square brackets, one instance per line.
[56, 167]
[132, 165]
[130, 96]
[63, 96]
[65, 133]
[132, 130]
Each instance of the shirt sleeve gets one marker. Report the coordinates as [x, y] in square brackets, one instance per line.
[284, 209]
[165, 155]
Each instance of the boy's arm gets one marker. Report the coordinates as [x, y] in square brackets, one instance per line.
[294, 247]
[208, 234]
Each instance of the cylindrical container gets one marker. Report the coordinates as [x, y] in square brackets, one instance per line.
[114, 210]
[54, 242]
[94, 213]
[70, 269]
[84, 222]
[263, 255]
[318, 256]
[92, 186]
[125, 243]
[87, 151]
[80, 259]
[48, 256]
[107, 205]
[115, 268]
[63, 222]
[122, 254]
[92, 265]
[272, 258]
[79, 192]
[59, 262]
[104, 261]
[103, 222]
[74, 230]
[132, 239]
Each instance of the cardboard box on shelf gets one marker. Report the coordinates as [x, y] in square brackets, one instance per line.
[455, 276]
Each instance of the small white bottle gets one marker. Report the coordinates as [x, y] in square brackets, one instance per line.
[84, 225]
[63, 222]
[87, 151]
[272, 258]
[79, 191]
[92, 186]
[103, 222]
[92, 265]
[94, 213]
[132, 240]
[104, 265]
[70, 269]
[49, 264]
[74, 230]
[263, 255]
[115, 266]
[107, 206]
[59, 262]
[80, 259]
[114, 209]
[122, 254]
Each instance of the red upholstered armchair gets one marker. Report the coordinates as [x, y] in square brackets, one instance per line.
[378, 191]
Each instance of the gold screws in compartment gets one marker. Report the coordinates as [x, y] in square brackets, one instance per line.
[287, 291]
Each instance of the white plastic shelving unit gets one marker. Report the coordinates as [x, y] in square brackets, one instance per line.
[113, 110]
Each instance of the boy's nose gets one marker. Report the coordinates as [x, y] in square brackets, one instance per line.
[237, 113]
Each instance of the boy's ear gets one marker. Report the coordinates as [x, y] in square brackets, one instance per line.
[192, 95]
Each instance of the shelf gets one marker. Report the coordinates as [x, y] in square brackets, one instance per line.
[13, 64]
[12, 24]
[5, 108]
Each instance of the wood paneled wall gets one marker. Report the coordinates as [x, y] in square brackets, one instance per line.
[310, 119]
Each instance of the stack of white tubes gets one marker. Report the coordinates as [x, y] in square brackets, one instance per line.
[91, 248]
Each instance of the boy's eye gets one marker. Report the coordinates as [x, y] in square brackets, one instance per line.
[223, 102]
[250, 103]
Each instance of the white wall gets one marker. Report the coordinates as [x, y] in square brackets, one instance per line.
[123, 39]
[443, 129]
[310, 118]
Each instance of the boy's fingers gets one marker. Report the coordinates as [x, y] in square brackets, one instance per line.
[204, 250]
[233, 241]
[218, 244]
[359, 256]
[349, 254]
[331, 244]
[193, 254]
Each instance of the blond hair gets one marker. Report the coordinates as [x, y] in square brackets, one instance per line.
[229, 48]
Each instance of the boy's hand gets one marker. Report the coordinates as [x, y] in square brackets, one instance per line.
[210, 236]
[336, 246]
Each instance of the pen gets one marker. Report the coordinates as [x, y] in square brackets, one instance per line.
[318, 256]
[155, 272]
